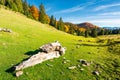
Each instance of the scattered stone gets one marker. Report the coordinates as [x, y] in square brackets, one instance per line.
[84, 62]
[67, 60]
[78, 66]
[5, 30]
[64, 62]
[72, 67]
[64, 58]
[19, 73]
[49, 65]
[82, 69]
[95, 72]
[0, 29]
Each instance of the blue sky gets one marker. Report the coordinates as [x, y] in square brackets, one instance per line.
[99, 12]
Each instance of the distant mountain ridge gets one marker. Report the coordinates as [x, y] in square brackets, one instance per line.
[87, 25]
[111, 28]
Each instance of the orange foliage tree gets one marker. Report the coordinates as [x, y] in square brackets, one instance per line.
[35, 12]
[66, 28]
[82, 29]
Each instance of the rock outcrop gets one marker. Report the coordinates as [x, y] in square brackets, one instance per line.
[49, 51]
[5, 30]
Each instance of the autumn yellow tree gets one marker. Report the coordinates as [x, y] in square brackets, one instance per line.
[66, 28]
[35, 12]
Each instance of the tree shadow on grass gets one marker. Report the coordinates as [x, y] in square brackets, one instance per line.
[94, 45]
[30, 53]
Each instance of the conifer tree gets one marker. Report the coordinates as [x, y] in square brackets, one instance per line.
[60, 24]
[19, 5]
[52, 21]
[102, 32]
[13, 6]
[78, 32]
[2, 2]
[42, 13]
[94, 32]
[8, 3]
[55, 22]
[71, 30]
[86, 33]
[26, 9]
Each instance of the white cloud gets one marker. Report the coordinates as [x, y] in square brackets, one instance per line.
[107, 22]
[111, 14]
[73, 9]
[103, 21]
[48, 9]
[106, 6]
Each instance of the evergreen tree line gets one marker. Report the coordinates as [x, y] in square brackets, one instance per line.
[40, 15]
[33, 12]
[97, 32]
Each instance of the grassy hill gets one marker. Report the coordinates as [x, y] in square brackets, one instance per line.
[28, 35]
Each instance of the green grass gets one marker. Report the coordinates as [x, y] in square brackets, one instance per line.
[28, 35]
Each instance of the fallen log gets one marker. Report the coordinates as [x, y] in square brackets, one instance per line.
[42, 56]
[36, 59]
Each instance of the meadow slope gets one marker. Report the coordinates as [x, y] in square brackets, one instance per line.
[28, 35]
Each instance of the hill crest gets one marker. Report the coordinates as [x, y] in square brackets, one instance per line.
[87, 25]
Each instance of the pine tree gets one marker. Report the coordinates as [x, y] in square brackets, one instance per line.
[2, 2]
[86, 33]
[102, 32]
[55, 22]
[78, 32]
[8, 3]
[60, 24]
[19, 5]
[26, 9]
[42, 13]
[119, 31]
[94, 32]
[106, 32]
[71, 30]
[14, 7]
[52, 21]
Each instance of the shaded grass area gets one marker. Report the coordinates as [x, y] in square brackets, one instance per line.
[29, 35]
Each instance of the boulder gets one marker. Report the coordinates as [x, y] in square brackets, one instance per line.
[0, 29]
[19, 73]
[5, 30]
[55, 46]
[72, 67]
[84, 62]
[95, 73]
